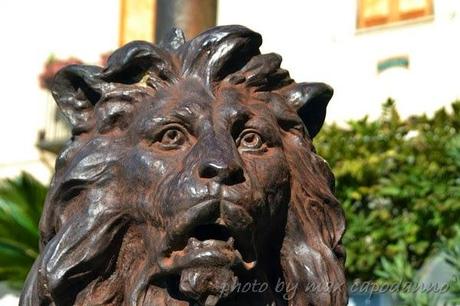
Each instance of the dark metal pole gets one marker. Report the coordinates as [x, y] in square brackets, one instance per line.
[192, 16]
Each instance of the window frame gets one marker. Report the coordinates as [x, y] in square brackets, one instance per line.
[394, 16]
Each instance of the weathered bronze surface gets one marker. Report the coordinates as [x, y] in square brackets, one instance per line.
[190, 179]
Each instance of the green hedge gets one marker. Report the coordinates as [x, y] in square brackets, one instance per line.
[399, 184]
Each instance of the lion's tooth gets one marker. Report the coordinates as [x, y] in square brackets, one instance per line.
[211, 300]
[220, 221]
[194, 242]
[231, 241]
[249, 265]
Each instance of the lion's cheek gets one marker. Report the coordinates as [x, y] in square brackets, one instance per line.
[142, 164]
[278, 176]
[272, 186]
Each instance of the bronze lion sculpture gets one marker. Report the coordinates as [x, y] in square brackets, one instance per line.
[190, 174]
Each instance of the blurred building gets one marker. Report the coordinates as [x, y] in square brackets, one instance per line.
[368, 50]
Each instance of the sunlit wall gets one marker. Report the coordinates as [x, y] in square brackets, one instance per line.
[31, 31]
[319, 41]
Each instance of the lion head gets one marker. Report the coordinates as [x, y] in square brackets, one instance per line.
[190, 174]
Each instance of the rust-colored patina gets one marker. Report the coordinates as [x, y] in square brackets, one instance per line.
[190, 179]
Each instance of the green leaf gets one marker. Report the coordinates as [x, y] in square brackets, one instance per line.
[21, 204]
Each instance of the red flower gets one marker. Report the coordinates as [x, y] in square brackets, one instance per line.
[52, 66]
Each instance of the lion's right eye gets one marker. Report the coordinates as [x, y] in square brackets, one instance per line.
[172, 138]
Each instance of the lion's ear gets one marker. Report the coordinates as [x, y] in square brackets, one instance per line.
[133, 61]
[76, 89]
[310, 100]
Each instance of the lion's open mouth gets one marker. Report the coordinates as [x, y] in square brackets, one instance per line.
[211, 231]
[209, 245]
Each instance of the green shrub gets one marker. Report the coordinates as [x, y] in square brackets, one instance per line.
[399, 184]
[452, 251]
[21, 204]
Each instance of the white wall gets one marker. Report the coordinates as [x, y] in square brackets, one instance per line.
[7, 296]
[31, 31]
[319, 42]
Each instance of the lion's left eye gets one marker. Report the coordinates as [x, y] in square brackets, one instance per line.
[250, 141]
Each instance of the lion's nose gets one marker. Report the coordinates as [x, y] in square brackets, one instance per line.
[228, 173]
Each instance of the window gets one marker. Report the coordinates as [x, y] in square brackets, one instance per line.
[381, 12]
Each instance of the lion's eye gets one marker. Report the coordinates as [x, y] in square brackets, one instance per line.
[172, 138]
[250, 141]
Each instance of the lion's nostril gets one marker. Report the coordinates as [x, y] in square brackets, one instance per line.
[210, 170]
[235, 177]
[227, 174]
